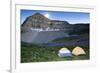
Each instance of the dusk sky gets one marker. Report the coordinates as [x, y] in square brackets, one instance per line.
[71, 17]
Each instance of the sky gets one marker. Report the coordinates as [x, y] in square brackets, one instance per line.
[71, 17]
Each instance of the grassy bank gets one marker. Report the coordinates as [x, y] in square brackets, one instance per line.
[36, 53]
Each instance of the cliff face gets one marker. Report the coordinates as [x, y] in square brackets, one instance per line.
[39, 21]
[35, 21]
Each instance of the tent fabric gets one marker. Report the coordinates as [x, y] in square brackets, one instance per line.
[64, 52]
[78, 51]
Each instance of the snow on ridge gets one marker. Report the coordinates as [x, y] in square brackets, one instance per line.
[47, 29]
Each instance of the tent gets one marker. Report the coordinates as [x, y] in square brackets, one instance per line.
[64, 52]
[78, 51]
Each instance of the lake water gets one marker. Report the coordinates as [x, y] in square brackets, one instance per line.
[34, 36]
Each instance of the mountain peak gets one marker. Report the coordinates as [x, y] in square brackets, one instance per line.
[37, 14]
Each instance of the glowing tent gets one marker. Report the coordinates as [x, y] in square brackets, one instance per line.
[78, 51]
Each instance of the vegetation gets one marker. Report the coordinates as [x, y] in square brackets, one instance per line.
[35, 53]
[65, 39]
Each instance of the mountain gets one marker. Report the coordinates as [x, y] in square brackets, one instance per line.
[40, 21]
[35, 21]
[80, 28]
